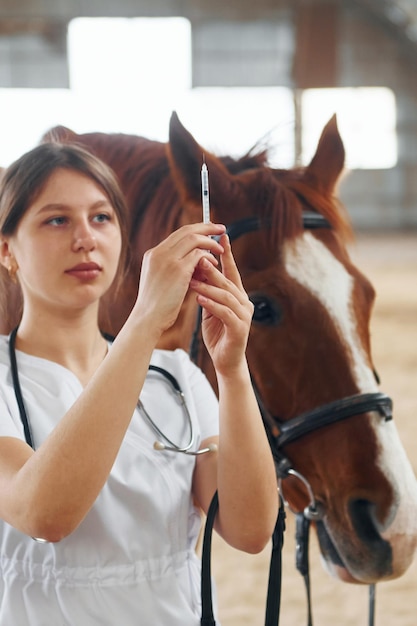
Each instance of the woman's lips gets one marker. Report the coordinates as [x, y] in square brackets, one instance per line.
[84, 271]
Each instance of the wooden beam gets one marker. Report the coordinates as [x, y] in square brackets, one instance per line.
[317, 35]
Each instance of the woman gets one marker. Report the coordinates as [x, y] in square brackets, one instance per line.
[116, 520]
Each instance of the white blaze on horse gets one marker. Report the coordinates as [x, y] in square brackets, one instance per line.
[309, 348]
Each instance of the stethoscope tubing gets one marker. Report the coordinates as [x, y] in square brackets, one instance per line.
[164, 442]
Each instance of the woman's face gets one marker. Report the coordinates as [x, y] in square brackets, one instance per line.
[67, 245]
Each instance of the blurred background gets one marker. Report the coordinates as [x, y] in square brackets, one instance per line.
[241, 72]
[236, 72]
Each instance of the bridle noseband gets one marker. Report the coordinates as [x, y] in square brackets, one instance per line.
[282, 432]
[285, 432]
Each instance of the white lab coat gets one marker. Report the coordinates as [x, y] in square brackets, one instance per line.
[132, 561]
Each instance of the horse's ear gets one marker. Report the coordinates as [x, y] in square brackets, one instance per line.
[329, 160]
[186, 158]
[59, 134]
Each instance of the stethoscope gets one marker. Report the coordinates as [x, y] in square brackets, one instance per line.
[163, 443]
[169, 444]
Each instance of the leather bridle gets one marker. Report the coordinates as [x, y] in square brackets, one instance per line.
[280, 432]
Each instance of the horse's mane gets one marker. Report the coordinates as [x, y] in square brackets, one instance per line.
[327, 204]
[296, 191]
[251, 160]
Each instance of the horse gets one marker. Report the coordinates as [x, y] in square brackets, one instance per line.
[309, 349]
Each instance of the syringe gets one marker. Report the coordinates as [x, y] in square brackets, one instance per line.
[205, 194]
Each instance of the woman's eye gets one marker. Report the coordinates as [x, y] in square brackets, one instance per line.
[57, 221]
[102, 217]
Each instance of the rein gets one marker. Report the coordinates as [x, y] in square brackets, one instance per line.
[279, 434]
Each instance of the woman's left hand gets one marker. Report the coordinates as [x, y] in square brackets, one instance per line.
[227, 310]
[247, 509]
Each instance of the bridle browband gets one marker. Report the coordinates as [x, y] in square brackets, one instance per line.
[311, 221]
[282, 432]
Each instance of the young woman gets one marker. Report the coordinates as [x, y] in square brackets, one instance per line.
[98, 526]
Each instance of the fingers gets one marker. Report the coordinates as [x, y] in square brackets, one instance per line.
[228, 263]
[195, 236]
[222, 292]
[210, 276]
[227, 310]
[180, 253]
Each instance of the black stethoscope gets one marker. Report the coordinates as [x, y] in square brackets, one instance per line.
[164, 443]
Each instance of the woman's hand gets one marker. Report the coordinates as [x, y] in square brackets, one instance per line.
[247, 509]
[227, 310]
[167, 270]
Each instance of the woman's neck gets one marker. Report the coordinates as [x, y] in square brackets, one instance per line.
[76, 343]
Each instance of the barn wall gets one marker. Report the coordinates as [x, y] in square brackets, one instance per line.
[371, 56]
[35, 56]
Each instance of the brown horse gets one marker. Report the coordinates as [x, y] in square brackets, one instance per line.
[309, 346]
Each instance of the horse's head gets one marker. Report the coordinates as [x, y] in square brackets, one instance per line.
[309, 348]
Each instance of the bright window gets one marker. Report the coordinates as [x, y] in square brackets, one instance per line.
[367, 122]
[128, 56]
[137, 71]
[232, 120]
[128, 75]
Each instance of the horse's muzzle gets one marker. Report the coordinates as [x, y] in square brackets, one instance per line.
[367, 559]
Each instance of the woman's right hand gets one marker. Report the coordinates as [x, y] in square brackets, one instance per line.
[168, 268]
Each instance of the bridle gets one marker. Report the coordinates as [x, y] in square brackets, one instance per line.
[280, 433]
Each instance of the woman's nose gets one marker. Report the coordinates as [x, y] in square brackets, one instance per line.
[84, 238]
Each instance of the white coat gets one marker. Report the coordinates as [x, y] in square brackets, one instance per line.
[132, 560]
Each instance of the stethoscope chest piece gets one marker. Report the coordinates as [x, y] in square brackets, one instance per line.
[164, 443]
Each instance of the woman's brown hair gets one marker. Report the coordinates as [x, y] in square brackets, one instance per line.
[24, 180]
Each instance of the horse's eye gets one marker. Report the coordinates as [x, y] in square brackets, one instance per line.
[266, 310]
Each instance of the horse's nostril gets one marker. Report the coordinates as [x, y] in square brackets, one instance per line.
[363, 516]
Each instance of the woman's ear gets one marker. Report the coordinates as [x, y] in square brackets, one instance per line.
[4, 252]
[7, 259]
